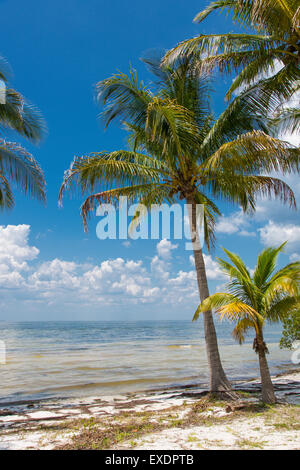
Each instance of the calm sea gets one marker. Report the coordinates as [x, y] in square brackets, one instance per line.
[63, 359]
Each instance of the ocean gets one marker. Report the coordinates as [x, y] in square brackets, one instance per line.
[76, 359]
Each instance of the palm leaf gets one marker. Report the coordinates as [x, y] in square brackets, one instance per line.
[6, 196]
[265, 265]
[21, 168]
[124, 98]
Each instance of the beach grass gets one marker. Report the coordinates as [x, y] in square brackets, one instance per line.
[129, 430]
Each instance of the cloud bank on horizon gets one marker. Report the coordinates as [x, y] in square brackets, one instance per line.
[54, 285]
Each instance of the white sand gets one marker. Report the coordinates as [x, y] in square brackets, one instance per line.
[243, 433]
[29, 428]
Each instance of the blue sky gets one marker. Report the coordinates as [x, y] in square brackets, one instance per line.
[50, 269]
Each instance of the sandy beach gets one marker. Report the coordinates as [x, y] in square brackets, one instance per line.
[183, 418]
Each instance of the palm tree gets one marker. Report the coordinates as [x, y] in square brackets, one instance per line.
[251, 301]
[17, 166]
[272, 51]
[179, 152]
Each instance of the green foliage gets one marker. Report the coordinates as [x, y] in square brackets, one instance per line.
[178, 150]
[266, 296]
[291, 330]
[17, 166]
[272, 51]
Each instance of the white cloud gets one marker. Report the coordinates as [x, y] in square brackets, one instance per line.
[275, 234]
[57, 283]
[184, 284]
[294, 257]
[230, 224]
[246, 233]
[159, 268]
[237, 222]
[55, 274]
[164, 248]
[213, 271]
[15, 254]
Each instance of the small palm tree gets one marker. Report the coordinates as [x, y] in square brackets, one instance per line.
[17, 166]
[273, 50]
[180, 152]
[252, 301]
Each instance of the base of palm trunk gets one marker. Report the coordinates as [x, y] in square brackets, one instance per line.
[268, 397]
[223, 393]
[267, 388]
[221, 387]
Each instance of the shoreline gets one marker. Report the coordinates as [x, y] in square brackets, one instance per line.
[49, 424]
[39, 399]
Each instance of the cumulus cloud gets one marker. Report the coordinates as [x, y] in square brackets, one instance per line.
[15, 254]
[160, 263]
[55, 274]
[275, 234]
[230, 224]
[57, 283]
[164, 248]
[213, 271]
[159, 268]
[235, 223]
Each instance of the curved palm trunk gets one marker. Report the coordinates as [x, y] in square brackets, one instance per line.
[218, 379]
[268, 395]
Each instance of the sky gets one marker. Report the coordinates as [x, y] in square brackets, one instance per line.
[49, 268]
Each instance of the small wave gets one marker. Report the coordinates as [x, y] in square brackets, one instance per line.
[181, 346]
[112, 384]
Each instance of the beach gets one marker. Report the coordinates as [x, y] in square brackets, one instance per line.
[181, 418]
[139, 385]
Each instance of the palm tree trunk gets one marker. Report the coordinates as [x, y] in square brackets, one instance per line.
[218, 379]
[268, 395]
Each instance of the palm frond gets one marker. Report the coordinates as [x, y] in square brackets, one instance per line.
[242, 328]
[229, 307]
[5, 71]
[266, 264]
[6, 196]
[239, 264]
[214, 301]
[254, 152]
[211, 45]
[124, 98]
[291, 270]
[172, 124]
[104, 170]
[283, 308]
[210, 212]
[287, 121]
[17, 114]
[241, 11]
[140, 193]
[21, 169]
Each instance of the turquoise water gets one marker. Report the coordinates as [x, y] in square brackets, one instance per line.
[63, 359]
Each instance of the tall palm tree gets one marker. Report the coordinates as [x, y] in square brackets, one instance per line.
[17, 166]
[178, 151]
[252, 301]
[266, 61]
